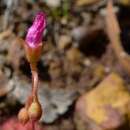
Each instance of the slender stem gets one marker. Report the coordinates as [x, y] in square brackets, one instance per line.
[35, 83]
[32, 125]
[33, 94]
[34, 87]
[34, 80]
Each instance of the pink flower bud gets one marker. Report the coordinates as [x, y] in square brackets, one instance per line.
[35, 32]
[33, 44]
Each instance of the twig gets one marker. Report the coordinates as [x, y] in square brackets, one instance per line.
[113, 31]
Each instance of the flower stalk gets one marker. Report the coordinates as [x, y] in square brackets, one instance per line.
[33, 48]
[34, 80]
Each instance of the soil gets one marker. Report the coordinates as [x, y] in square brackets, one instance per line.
[77, 55]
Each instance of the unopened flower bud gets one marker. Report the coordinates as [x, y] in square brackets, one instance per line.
[33, 45]
[35, 111]
[23, 116]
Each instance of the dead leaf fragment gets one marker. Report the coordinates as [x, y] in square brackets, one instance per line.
[86, 2]
[107, 104]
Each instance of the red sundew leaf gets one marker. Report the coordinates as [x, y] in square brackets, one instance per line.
[14, 124]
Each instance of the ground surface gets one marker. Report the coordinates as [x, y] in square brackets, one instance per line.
[77, 55]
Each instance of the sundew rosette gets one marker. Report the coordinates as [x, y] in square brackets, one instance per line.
[33, 41]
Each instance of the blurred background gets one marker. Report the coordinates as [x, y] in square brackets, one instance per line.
[84, 76]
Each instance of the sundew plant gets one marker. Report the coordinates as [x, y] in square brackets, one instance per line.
[32, 110]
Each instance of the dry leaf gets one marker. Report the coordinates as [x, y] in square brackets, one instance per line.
[107, 104]
[86, 2]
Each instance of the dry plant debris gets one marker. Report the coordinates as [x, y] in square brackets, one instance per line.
[113, 31]
[107, 106]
